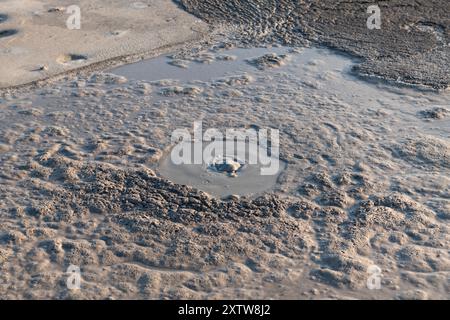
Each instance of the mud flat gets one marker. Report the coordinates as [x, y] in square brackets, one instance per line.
[366, 183]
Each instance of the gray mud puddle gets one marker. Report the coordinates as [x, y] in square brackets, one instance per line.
[233, 171]
[201, 68]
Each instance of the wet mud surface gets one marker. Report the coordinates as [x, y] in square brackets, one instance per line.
[366, 183]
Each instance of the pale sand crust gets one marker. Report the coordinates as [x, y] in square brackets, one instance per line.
[109, 30]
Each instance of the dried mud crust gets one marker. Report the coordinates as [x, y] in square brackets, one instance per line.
[412, 45]
[137, 235]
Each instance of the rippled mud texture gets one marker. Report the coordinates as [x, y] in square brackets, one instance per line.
[412, 45]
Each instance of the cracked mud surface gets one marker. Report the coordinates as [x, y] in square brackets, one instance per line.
[412, 45]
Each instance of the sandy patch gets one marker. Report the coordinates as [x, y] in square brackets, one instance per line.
[35, 42]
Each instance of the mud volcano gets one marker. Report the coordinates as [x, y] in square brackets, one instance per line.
[229, 165]
[222, 175]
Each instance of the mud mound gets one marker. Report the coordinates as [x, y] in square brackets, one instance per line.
[269, 60]
[434, 113]
[426, 150]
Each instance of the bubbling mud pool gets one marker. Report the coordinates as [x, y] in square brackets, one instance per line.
[223, 174]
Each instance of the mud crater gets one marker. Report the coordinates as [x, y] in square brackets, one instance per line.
[8, 33]
[222, 174]
[72, 58]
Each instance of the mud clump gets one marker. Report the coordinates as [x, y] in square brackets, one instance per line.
[227, 165]
[434, 113]
[178, 90]
[235, 80]
[270, 60]
[179, 63]
[426, 150]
